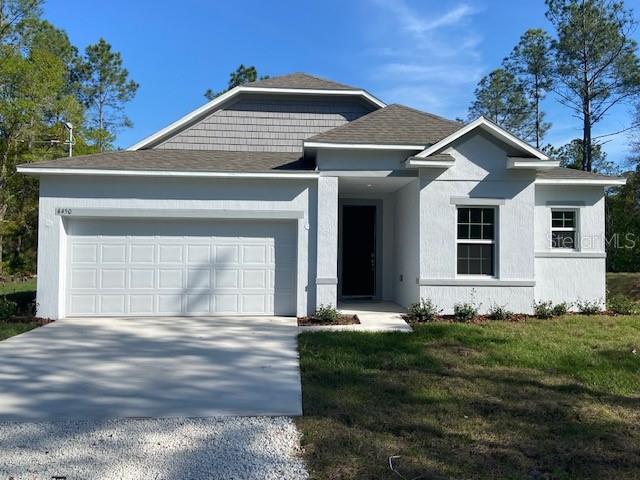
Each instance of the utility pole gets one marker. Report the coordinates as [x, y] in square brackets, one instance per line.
[69, 127]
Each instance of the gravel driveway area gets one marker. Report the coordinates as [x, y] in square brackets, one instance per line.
[244, 448]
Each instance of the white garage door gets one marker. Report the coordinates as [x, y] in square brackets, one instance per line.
[164, 268]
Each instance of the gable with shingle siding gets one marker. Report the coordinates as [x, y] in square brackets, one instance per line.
[273, 123]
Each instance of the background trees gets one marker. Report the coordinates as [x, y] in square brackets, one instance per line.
[590, 65]
[43, 83]
[240, 76]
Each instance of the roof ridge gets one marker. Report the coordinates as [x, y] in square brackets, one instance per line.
[339, 85]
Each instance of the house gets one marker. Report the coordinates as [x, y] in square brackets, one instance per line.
[295, 191]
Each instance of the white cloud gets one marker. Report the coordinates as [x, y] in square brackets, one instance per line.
[428, 60]
[410, 21]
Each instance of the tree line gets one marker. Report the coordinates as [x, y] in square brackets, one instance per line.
[46, 86]
[589, 65]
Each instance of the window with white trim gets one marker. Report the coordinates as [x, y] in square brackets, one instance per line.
[476, 241]
[564, 228]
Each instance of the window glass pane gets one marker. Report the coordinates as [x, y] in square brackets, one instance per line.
[476, 215]
[557, 222]
[487, 232]
[476, 232]
[475, 259]
[570, 219]
[563, 239]
[463, 215]
[487, 215]
[463, 231]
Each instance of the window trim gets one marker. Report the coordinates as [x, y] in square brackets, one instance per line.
[493, 242]
[575, 229]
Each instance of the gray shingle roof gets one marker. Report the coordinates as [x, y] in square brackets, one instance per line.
[392, 125]
[183, 160]
[563, 173]
[300, 80]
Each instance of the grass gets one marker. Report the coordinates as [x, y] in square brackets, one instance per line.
[627, 284]
[11, 329]
[18, 286]
[542, 399]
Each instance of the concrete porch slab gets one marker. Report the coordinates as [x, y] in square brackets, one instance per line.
[374, 317]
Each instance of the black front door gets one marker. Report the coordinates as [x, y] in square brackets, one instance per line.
[359, 250]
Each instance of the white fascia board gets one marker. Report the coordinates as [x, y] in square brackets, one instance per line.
[163, 173]
[580, 181]
[493, 129]
[219, 100]
[531, 163]
[428, 163]
[360, 146]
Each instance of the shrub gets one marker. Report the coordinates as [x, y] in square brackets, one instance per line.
[622, 305]
[424, 311]
[560, 309]
[498, 312]
[543, 309]
[327, 313]
[589, 307]
[465, 311]
[8, 308]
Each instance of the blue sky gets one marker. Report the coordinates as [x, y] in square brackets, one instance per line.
[427, 54]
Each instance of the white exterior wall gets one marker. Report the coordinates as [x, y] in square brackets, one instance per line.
[480, 173]
[406, 246]
[162, 195]
[566, 275]
[327, 262]
[364, 160]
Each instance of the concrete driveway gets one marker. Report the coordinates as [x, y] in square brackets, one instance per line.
[151, 367]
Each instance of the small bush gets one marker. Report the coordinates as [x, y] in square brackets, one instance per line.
[8, 308]
[465, 311]
[543, 309]
[498, 312]
[327, 313]
[622, 305]
[560, 309]
[589, 307]
[424, 311]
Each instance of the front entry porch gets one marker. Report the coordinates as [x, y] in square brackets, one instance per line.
[368, 240]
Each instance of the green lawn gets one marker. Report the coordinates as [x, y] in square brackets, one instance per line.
[18, 286]
[627, 284]
[542, 399]
[10, 329]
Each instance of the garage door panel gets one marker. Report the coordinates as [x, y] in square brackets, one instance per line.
[144, 254]
[192, 268]
[112, 304]
[113, 254]
[170, 254]
[81, 253]
[82, 304]
[226, 254]
[84, 278]
[141, 278]
[113, 278]
[141, 304]
[198, 254]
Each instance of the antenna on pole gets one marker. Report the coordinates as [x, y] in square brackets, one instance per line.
[69, 127]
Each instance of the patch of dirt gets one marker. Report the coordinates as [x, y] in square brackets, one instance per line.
[341, 320]
[29, 319]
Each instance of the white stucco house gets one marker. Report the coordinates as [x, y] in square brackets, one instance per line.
[295, 191]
